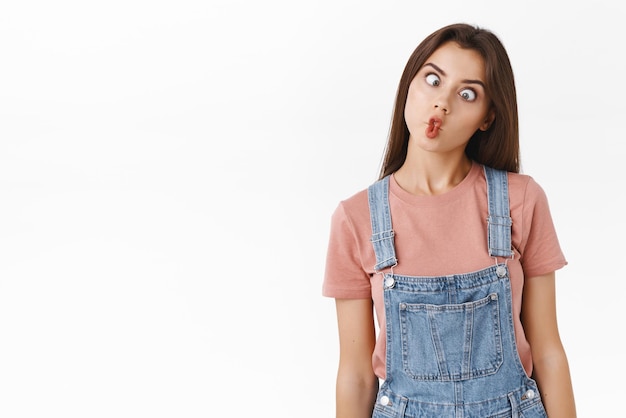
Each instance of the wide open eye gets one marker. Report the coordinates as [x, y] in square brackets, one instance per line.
[433, 79]
[468, 95]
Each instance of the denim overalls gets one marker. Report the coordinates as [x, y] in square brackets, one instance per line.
[451, 349]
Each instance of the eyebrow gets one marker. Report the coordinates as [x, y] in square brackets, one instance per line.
[430, 64]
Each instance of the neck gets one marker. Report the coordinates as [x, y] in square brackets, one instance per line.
[432, 175]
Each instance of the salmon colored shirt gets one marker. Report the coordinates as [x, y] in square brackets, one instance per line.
[441, 235]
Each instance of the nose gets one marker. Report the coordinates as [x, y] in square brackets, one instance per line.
[442, 101]
[441, 105]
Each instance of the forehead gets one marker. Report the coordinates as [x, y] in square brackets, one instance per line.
[459, 62]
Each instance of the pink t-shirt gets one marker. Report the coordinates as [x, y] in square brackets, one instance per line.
[441, 235]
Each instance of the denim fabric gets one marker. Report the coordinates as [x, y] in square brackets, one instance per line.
[499, 219]
[450, 340]
[382, 238]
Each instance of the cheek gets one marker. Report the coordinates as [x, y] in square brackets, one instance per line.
[477, 120]
[412, 108]
[410, 116]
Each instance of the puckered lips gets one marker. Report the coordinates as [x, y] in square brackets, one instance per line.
[434, 124]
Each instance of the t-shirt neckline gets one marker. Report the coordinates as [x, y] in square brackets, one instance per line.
[429, 200]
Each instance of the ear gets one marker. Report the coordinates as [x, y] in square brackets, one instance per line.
[491, 115]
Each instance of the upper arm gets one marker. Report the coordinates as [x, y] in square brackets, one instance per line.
[539, 316]
[356, 382]
[357, 335]
[550, 366]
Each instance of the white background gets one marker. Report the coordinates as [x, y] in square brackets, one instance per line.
[168, 170]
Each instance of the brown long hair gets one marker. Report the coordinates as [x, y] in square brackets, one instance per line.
[498, 146]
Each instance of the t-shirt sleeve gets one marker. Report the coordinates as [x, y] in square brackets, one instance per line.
[344, 276]
[540, 251]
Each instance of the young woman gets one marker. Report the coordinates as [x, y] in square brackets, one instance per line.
[452, 251]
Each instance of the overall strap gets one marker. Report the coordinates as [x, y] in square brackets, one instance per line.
[499, 220]
[382, 232]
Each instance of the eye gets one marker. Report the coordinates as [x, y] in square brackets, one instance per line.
[433, 79]
[468, 95]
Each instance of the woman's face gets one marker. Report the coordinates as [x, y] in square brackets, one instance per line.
[447, 102]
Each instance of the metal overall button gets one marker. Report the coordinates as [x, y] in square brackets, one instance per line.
[529, 394]
[389, 282]
[501, 271]
[385, 401]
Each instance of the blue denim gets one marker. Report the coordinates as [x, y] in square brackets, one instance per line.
[451, 349]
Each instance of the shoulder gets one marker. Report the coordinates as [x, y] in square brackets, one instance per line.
[534, 232]
[353, 209]
[354, 204]
[524, 189]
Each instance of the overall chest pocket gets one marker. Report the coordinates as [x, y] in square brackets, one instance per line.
[451, 342]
